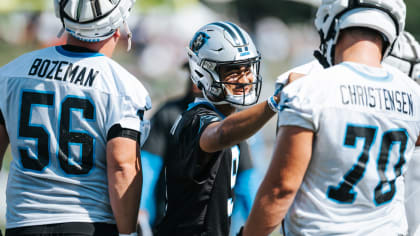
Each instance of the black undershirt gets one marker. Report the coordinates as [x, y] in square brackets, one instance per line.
[73, 48]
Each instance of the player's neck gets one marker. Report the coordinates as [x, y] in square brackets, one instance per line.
[226, 109]
[105, 47]
[359, 51]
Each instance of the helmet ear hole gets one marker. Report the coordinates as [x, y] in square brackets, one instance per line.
[198, 73]
[200, 85]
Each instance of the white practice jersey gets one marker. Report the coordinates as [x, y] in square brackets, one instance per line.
[58, 107]
[306, 69]
[366, 121]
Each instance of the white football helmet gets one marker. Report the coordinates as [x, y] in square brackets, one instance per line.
[384, 16]
[221, 44]
[406, 56]
[93, 20]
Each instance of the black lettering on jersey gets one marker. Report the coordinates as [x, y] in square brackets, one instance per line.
[34, 68]
[71, 72]
[344, 99]
[91, 77]
[407, 100]
[360, 96]
[398, 98]
[50, 73]
[44, 66]
[352, 91]
[410, 104]
[377, 98]
[56, 70]
[388, 100]
[59, 70]
[80, 76]
[372, 100]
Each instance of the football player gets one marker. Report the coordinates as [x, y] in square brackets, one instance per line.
[201, 173]
[74, 119]
[405, 56]
[161, 145]
[345, 132]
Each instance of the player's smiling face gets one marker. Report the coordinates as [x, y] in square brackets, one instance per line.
[237, 79]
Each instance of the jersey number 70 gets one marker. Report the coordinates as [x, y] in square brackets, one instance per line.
[344, 192]
[66, 136]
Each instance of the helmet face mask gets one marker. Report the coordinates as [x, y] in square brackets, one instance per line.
[239, 83]
[335, 15]
[225, 64]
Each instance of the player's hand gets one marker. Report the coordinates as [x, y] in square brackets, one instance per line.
[274, 100]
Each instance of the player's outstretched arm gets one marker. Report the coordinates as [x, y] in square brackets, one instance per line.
[288, 166]
[235, 128]
[4, 142]
[124, 181]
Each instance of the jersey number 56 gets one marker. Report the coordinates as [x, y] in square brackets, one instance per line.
[66, 136]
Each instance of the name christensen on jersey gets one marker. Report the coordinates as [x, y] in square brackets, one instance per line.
[379, 98]
[45, 68]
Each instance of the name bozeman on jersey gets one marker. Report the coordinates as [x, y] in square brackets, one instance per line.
[73, 73]
[114, 97]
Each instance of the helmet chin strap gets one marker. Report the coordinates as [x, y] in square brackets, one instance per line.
[321, 59]
[61, 32]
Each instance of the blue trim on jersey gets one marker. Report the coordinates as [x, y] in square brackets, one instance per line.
[206, 103]
[151, 166]
[351, 170]
[386, 164]
[36, 125]
[78, 131]
[386, 78]
[64, 52]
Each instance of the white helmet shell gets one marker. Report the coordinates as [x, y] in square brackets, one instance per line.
[386, 17]
[218, 44]
[92, 20]
[406, 56]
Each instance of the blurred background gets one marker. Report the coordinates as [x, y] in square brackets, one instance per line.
[282, 29]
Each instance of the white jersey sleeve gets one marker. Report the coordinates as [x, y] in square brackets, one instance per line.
[306, 69]
[58, 107]
[366, 122]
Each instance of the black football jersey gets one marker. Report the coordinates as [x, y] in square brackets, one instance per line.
[199, 184]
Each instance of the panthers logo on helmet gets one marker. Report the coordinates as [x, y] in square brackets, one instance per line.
[199, 40]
